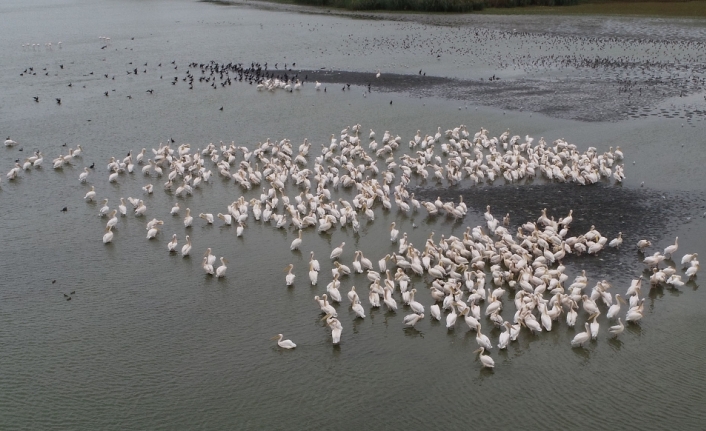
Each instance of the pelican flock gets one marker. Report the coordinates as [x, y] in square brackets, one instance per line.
[476, 276]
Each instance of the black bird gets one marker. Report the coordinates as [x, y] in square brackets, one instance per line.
[64, 209]
[36, 98]
[93, 165]
[70, 85]
[58, 100]
[64, 144]
[129, 97]
[72, 292]
[53, 281]
[221, 108]
[390, 102]
[61, 66]
[149, 91]
[106, 94]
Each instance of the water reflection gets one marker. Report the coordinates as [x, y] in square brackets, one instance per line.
[615, 343]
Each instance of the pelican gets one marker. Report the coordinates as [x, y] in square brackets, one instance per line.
[207, 216]
[393, 232]
[486, 360]
[451, 318]
[188, 219]
[435, 312]
[617, 329]
[186, 249]
[412, 319]
[141, 208]
[617, 241]
[335, 326]
[211, 257]
[671, 249]
[172, 245]
[104, 209]
[594, 326]
[482, 339]
[297, 242]
[582, 337]
[122, 207]
[108, 236]
[207, 266]
[285, 344]
[113, 220]
[504, 339]
[175, 209]
[91, 195]
[314, 263]
[290, 277]
[358, 309]
[84, 175]
[643, 244]
[615, 308]
[221, 270]
[336, 252]
[152, 232]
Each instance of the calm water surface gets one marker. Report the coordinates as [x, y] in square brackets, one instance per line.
[148, 342]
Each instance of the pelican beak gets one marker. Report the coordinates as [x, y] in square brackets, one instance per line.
[326, 317]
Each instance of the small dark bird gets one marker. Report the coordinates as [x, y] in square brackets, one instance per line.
[106, 94]
[53, 281]
[390, 102]
[73, 292]
[149, 91]
[64, 209]
[70, 85]
[221, 108]
[68, 299]
[64, 144]
[58, 101]
[93, 165]
[61, 66]
[36, 98]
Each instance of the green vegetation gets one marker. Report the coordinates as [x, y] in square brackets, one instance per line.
[691, 9]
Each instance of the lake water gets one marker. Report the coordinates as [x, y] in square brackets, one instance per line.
[147, 341]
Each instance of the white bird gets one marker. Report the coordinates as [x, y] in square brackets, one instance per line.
[358, 309]
[207, 216]
[221, 270]
[412, 319]
[289, 278]
[486, 360]
[188, 219]
[108, 236]
[175, 209]
[617, 329]
[435, 311]
[671, 249]
[582, 337]
[91, 195]
[297, 242]
[393, 233]
[104, 209]
[335, 326]
[336, 252]
[482, 339]
[186, 249]
[207, 267]
[84, 175]
[617, 241]
[172, 245]
[285, 344]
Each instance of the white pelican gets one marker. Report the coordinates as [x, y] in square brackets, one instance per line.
[435, 312]
[207, 267]
[207, 216]
[617, 329]
[152, 232]
[84, 175]
[297, 242]
[186, 249]
[615, 308]
[108, 236]
[122, 207]
[188, 219]
[582, 337]
[482, 339]
[289, 278]
[353, 295]
[91, 195]
[285, 344]
[617, 241]
[113, 220]
[175, 209]
[172, 245]
[393, 232]
[221, 270]
[643, 244]
[358, 309]
[412, 319]
[335, 326]
[504, 339]
[314, 263]
[486, 360]
[141, 208]
[688, 258]
[414, 305]
[671, 249]
[451, 318]
[594, 326]
[104, 209]
[336, 252]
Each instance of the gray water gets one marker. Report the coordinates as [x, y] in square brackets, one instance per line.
[148, 342]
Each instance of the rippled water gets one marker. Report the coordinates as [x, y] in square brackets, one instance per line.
[148, 342]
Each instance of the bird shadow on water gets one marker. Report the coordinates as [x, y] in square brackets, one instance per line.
[413, 332]
[615, 343]
[634, 328]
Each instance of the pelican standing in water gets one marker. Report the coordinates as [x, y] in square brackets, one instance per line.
[186, 249]
[285, 344]
[221, 270]
[289, 278]
[486, 360]
[335, 326]
[172, 245]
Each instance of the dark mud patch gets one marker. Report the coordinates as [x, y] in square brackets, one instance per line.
[637, 213]
[585, 99]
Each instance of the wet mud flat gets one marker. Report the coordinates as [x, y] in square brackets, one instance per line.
[637, 213]
[593, 100]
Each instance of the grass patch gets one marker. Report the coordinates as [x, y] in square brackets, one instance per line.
[691, 9]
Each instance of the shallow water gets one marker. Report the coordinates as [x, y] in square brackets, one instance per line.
[148, 342]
